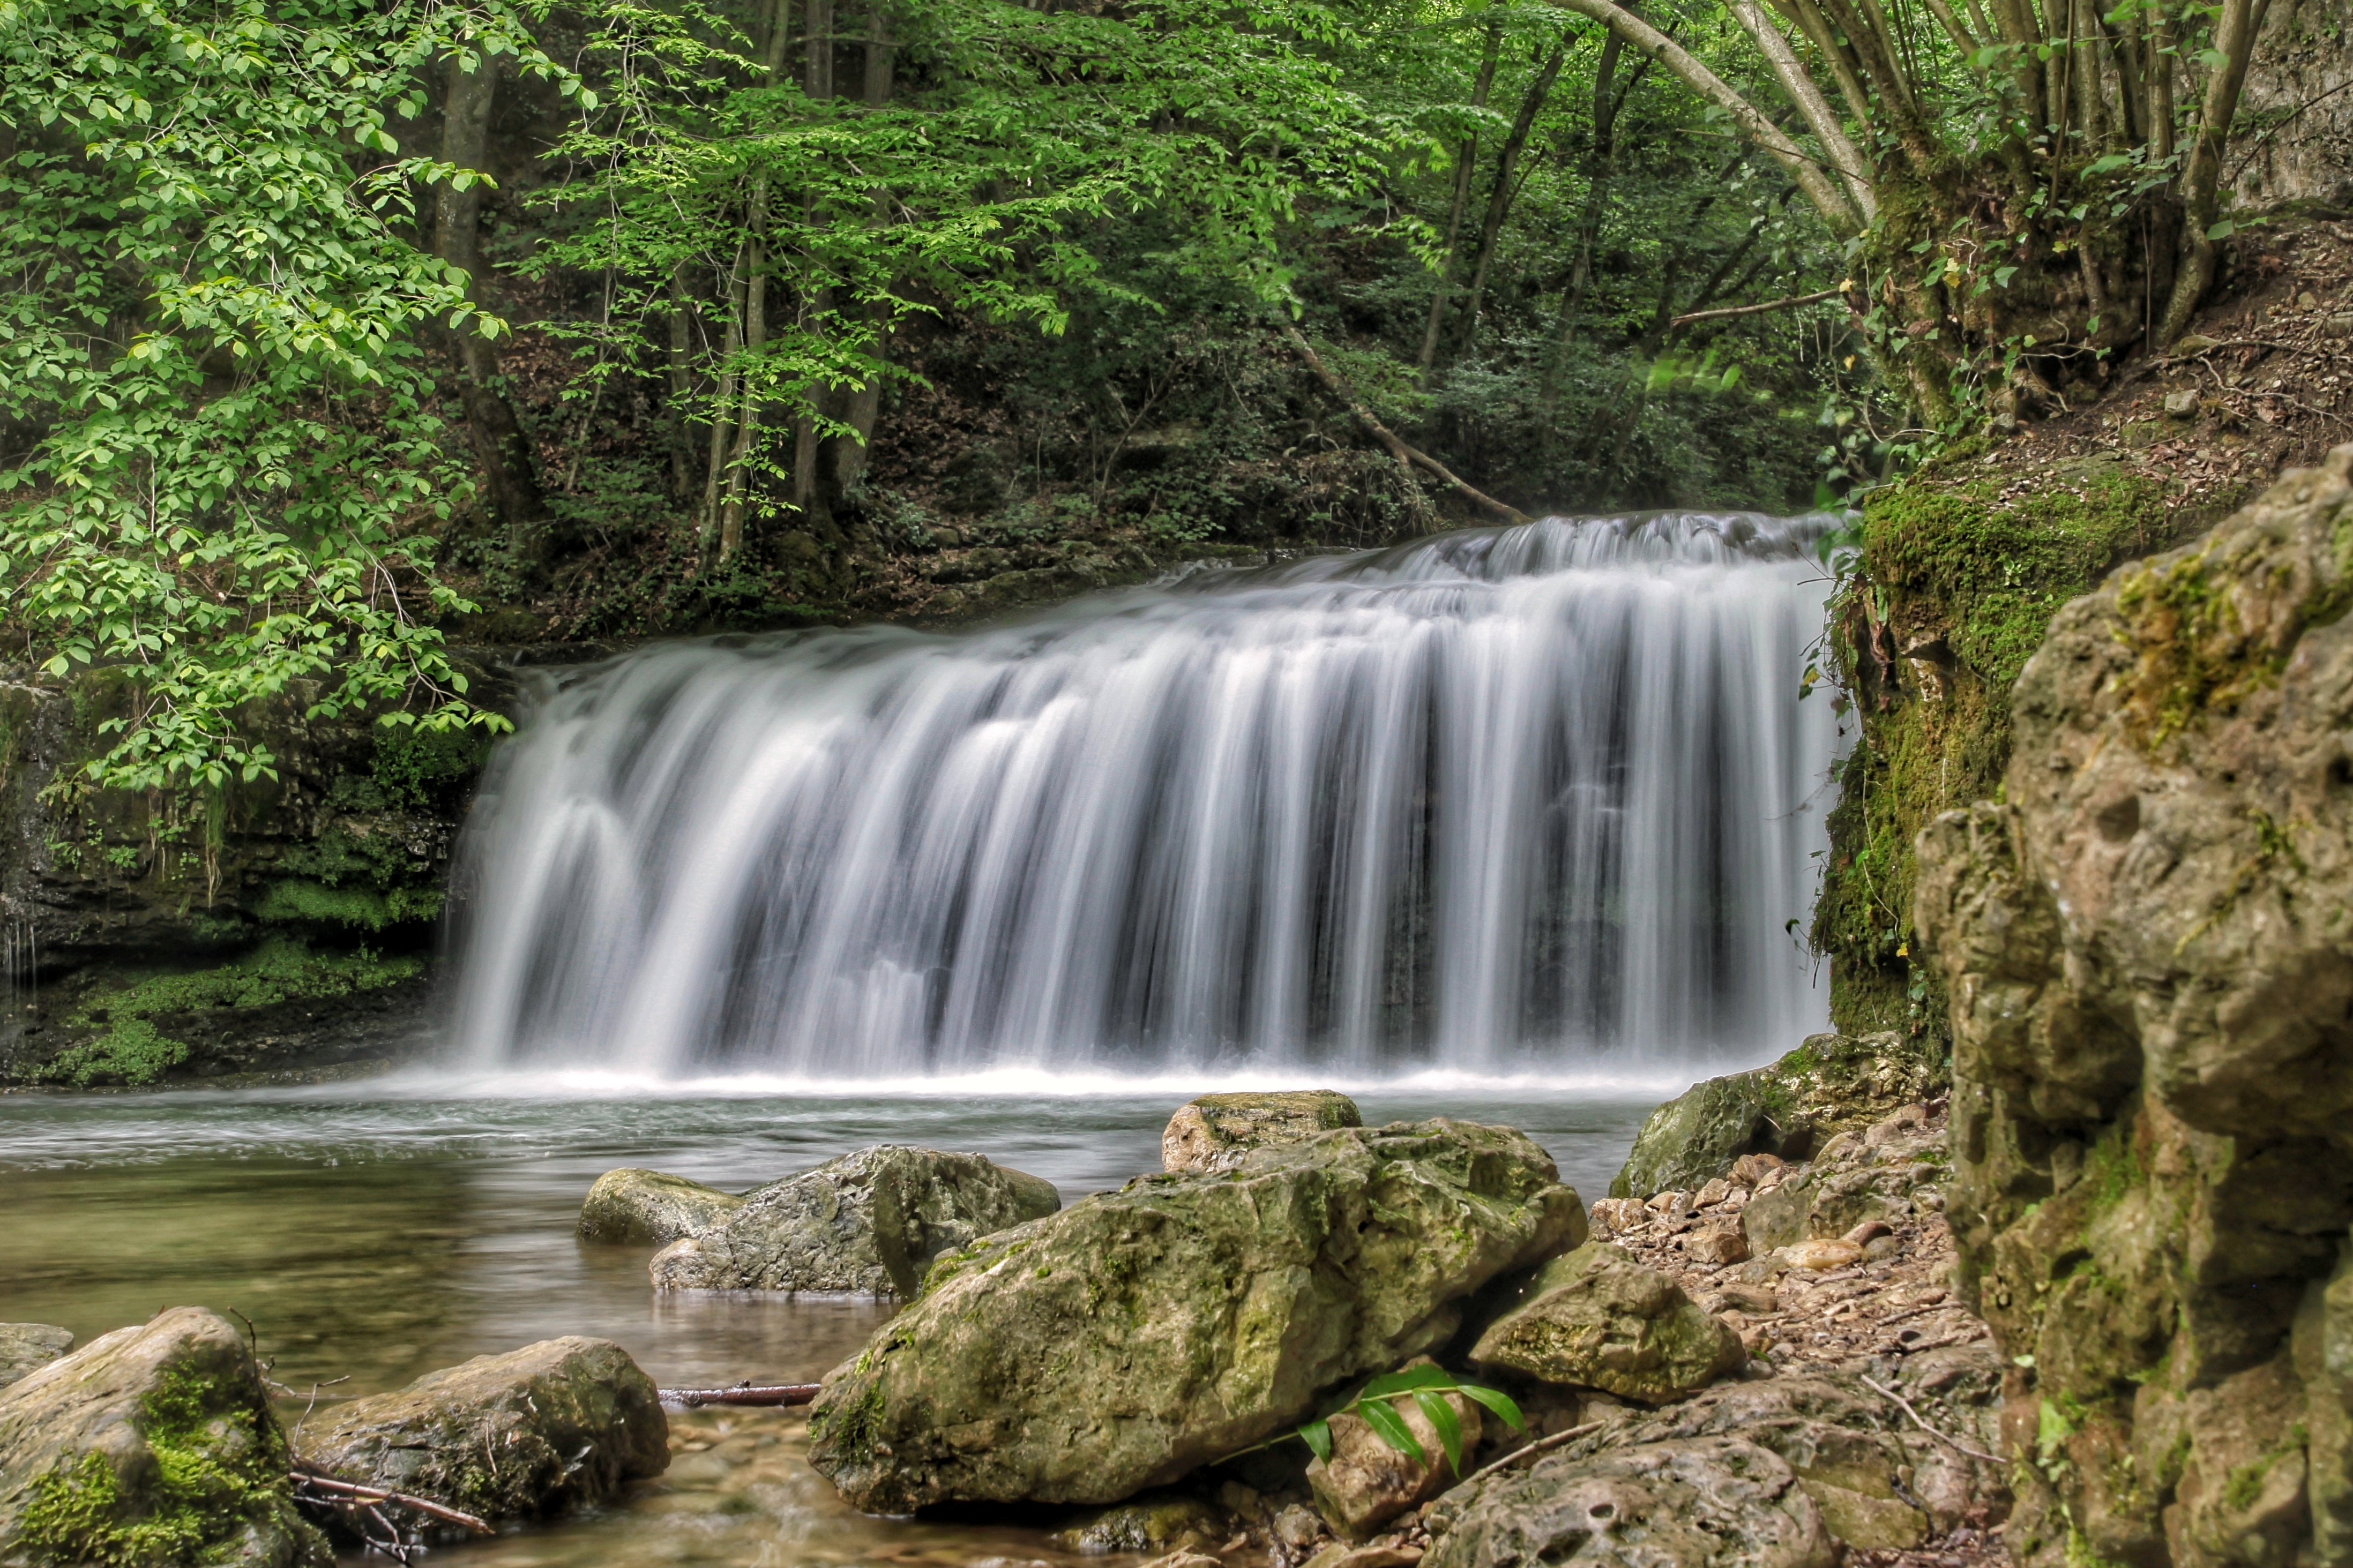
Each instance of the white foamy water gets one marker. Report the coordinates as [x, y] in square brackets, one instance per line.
[1531, 804]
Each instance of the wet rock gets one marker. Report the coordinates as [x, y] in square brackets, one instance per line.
[868, 1223]
[2151, 961]
[1831, 1084]
[1597, 1319]
[1138, 1334]
[1166, 1522]
[557, 1424]
[1709, 1502]
[27, 1347]
[151, 1444]
[649, 1207]
[1366, 1482]
[1214, 1131]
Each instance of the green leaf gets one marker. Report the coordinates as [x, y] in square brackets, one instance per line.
[2222, 230]
[1391, 1428]
[1441, 1417]
[1412, 1377]
[1497, 1401]
[2109, 165]
[1317, 1435]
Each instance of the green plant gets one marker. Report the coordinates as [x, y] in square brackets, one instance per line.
[1377, 1406]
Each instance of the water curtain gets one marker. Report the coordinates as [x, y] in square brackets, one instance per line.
[1537, 799]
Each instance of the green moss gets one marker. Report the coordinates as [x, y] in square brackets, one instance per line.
[215, 1476]
[131, 1052]
[1955, 588]
[290, 900]
[852, 1429]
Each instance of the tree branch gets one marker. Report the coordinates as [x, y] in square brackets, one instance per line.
[1808, 96]
[1794, 299]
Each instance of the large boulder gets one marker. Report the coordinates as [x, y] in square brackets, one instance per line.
[555, 1425]
[648, 1207]
[1597, 1319]
[1214, 1131]
[1706, 1502]
[1831, 1084]
[2149, 945]
[867, 1224]
[150, 1445]
[28, 1347]
[1139, 1335]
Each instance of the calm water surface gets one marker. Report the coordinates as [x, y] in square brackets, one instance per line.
[374, 1231]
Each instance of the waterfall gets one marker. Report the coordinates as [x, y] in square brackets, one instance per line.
[1526, 800]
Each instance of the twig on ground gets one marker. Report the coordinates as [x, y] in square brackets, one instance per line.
[773, 1394]
[1540, 1445]
[370, 1496]
[1922, 1422]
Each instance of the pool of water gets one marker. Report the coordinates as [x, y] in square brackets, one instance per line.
[372, 1232]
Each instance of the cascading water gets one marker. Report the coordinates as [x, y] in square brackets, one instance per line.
[1531, 799]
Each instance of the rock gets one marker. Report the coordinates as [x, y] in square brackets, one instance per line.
[1712, 1194]
[1866, 1233]
[1139, 1335]
[1829, 1084]
[2189, 344]
[1751, 1169]
[1717, 1245]
[25, 1347]
[1337, 1555]
[1619, 1214]
[1182, 1560]
[647, 1206]
[1711, 1502]
[1298, 1528]
[1597, 1319]
[153, 1444]
[2182, 405]
[1822, 1256]
[557, 1424]
[1166, 1522]
[1366, 1483]
[2150, 962]
[868, 1223]
[1214, 1131]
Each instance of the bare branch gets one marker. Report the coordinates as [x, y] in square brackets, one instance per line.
[1792, 302]
[1808, 96]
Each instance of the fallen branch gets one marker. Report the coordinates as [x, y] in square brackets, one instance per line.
[769, 1394]
[1541, 1446]
[1726, 313]
[1406, 456]
[1920, 1421]
[349, 1491]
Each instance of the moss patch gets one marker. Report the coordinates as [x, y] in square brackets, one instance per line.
[1956, 584]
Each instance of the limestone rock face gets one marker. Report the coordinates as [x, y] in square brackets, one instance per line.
[2150, 955]
[1597, 1319]
[1366, 1483]
[557, 1424]
[647, 1206]
[28, 1347]
[1214, 1131]
[1708, 1502]
[868, 1223]
[150, 1444]
[1829, 1085]
[1139, 1335]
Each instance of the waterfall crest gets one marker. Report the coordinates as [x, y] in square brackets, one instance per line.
[1534, 799]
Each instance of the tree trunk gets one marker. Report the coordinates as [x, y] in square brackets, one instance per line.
[501, 447]
[1499, 200]
[1466, 158]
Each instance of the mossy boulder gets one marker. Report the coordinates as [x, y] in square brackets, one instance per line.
[153, 1445]
[1597, 1319]
[1831, 1084]
[558, 1425]
[648, 1207]
[28, 1347]
[1214, 1131]
[1139, 1335]
[867, 1224]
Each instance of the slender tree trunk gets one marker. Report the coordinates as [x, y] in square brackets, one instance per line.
[1466, 160]
[681, 386]
[864, 403]
[1608, 98]
[501, 447]
[1499, 200]
[722, 422]
[2235, 31]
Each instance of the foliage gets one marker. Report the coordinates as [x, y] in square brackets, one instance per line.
[1375, 1405]
[212, 321]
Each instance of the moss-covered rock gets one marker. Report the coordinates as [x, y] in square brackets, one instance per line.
[1214, 1131]
[869, 1223]
[558, 1425]
[648, 1207]
[1597, 1319]
[2149, 952]
[152, 1445]
[28, 1347]
[1831, 1084]
[1139, 1335]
